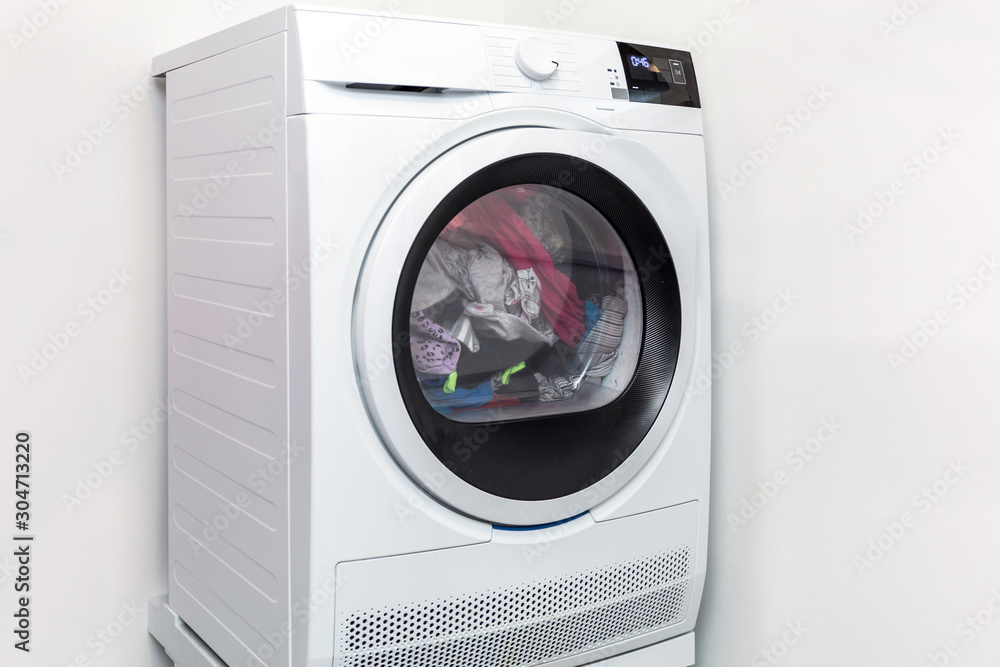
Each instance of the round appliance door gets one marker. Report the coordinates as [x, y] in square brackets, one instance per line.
[520, 322]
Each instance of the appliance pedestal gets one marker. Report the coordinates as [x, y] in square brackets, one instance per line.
[180, 642]
[676, 652]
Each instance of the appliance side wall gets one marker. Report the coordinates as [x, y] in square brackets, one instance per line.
[227, 319]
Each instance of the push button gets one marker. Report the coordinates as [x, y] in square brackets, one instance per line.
[677, 72]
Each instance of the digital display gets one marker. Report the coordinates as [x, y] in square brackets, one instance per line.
[646, 68]
[659, 75]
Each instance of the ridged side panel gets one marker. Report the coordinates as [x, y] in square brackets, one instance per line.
[228, 351]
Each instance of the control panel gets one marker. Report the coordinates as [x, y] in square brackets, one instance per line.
[658, 75]
[571, 65]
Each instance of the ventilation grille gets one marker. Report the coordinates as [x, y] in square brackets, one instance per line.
[523, 625]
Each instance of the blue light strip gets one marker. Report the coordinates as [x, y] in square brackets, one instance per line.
[540, 526]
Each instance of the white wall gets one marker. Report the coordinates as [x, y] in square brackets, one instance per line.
[887, 97]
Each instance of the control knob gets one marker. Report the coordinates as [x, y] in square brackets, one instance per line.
[536, 58]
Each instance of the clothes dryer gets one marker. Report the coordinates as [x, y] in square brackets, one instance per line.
[438, 296]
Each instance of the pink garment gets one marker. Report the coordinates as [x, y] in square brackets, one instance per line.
[493, 220]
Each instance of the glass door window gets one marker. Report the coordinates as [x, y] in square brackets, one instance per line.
[540, 314]
[527, 305]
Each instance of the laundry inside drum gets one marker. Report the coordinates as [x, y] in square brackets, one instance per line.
[527, 305]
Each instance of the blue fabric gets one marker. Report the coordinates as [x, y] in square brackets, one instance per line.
[591, 313]
[460, 398]
[431, 380]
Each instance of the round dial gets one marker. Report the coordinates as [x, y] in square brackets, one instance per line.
[536, 58]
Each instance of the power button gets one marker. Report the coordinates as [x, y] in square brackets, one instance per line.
[677, 72]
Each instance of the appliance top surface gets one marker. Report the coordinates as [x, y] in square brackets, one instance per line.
[334, 50]
[439, 19]
[278, 20]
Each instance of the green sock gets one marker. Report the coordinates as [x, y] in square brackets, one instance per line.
[505, 378]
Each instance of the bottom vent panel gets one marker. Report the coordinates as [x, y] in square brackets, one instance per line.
[518, 626]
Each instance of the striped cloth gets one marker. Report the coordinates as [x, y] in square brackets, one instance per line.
[606, 335]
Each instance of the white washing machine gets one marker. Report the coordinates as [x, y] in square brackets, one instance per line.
[437, 293]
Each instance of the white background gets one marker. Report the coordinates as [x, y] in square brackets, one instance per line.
[855, 296]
